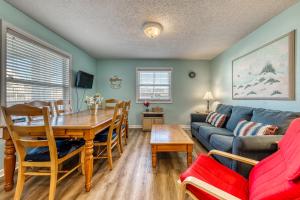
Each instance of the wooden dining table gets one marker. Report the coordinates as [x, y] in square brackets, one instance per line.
[75, 125]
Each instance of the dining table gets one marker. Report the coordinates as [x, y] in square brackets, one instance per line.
[81, 125]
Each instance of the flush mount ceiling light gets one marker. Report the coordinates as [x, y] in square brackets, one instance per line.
[152, 29]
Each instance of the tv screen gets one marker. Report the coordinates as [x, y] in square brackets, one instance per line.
[84, 80]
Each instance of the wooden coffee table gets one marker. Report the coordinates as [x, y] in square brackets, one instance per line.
[170, 138]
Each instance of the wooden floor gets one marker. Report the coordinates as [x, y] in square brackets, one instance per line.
[132, 177]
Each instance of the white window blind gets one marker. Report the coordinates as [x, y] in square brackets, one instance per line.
[154, 85]
[34, 71]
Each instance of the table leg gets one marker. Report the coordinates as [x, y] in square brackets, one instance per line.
[9, 164]
[89, 160]
[189, 156]
[154, 156]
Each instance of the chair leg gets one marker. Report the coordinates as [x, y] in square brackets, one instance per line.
[82, 162]
[53, 182]
[109, 157]
[120, 148]
[120, 143]
[20, 183]
[182, 189]
[125, 138]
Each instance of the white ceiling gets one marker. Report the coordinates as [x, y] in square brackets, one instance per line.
[192, 29]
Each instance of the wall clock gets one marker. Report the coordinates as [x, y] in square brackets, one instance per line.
[192, 74]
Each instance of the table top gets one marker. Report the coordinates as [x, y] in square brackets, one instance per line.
[169, 134]
[80, 120]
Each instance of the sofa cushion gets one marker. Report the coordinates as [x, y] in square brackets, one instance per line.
[247, 128]
[221, 142]
[238, 113]
[224, 109]
[206, 132]
[281, 119]
[196, 125]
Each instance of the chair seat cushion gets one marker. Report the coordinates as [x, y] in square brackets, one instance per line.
[207, 169]
[64, 147]
[102, 136]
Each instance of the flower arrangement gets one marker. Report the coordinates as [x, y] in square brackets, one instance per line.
[147, 104]
[93, 102]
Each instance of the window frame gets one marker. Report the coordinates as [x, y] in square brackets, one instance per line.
[4, 26]
[137, 85]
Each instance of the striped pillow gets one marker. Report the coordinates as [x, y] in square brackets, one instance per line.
[247, 128]
[216, 119]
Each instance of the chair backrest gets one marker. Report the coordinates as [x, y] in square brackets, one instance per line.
[62, 107]
[28, 134]
[278, 176]
[126, 111]
[41, 104]
[116, 120]
[110, 103]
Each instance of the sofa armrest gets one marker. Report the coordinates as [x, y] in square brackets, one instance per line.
[198, 117]
[256, 143]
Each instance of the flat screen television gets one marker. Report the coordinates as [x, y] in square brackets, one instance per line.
[84, 80]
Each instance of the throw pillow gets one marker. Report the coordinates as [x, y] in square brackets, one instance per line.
[248, 128]
[216, 119]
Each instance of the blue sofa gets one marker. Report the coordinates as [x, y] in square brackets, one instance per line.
[255, 147]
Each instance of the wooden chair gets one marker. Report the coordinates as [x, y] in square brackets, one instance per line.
[110, 103]
[124, 126]
[35, 153]
[40, 104]
[109, 138]
[62, 107]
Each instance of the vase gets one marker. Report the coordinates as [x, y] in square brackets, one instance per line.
[93, 109]
[147, 110]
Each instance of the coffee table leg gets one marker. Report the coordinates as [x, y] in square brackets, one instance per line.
[154, 156]
[189, 155]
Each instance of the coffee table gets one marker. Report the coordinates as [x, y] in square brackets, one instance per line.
[170, 138]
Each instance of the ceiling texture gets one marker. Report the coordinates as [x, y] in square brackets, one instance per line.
[192, 29]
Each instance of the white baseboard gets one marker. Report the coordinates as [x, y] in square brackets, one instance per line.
[186, 127]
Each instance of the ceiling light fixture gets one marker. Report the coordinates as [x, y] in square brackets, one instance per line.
[152, 29]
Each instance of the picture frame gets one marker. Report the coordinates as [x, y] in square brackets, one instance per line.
[266, 73]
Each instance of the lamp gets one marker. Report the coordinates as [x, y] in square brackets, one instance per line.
[208, 96]
[152, 29]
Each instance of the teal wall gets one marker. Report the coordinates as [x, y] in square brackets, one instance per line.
[81, 60]
[222, 64]
[187, 93]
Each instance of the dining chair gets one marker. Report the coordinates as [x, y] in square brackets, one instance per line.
[62, 107]
[40, 104]
[108, 139]
[35, 152]
[124, 126]
[110, 103]
[275, 177]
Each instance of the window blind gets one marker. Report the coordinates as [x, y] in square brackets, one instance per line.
[34, 71]
[154, 85]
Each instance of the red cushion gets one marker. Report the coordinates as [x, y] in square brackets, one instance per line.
[207, 169]
[277, 176]
[290, 148]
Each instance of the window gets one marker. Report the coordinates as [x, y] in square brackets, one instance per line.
[154, 85]
[34, 70]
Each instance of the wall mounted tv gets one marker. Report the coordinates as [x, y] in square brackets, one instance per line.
[84, 80]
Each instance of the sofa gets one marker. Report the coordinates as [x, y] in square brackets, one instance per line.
[255, 147]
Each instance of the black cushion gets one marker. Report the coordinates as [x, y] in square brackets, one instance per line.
[224, 109]
[64, 147]
[102, 136]
[238, 113]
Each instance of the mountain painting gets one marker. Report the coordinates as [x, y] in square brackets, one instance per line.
[267, 72]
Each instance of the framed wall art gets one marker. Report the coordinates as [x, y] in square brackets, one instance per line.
[267, 72]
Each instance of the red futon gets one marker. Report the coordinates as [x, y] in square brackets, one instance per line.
[277, 177]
